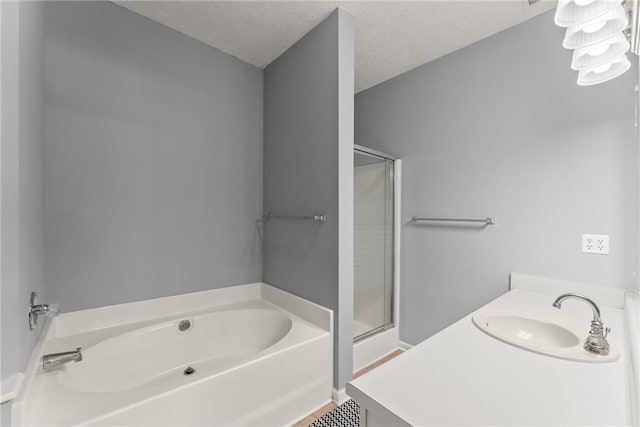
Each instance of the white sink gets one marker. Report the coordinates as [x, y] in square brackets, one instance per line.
[538, 334]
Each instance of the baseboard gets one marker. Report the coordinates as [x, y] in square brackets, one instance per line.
[405, 346]
[339, 396]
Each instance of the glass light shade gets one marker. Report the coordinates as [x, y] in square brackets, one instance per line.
[599, 54]
[597, 30]
[604, 72]
[576, 12]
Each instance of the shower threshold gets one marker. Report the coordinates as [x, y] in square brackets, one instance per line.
[370, 332]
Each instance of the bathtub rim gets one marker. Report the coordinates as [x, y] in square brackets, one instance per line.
[100, 318]
[92, 319]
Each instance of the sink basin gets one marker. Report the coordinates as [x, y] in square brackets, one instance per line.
[539, 335]
[526, 332]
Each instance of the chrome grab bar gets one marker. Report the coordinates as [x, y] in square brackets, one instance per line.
[320, 218]
[486, 221]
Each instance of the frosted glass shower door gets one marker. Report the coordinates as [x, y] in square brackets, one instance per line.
[373, 244]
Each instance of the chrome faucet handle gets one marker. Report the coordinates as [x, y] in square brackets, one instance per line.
[35, 310]
[596, 342]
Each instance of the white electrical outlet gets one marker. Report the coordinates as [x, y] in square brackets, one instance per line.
[595, 244]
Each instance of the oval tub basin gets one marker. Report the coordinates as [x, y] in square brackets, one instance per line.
[160, 354]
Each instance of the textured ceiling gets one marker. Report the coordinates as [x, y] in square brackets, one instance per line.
[391, 36]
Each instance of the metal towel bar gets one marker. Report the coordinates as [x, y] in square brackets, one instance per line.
[320, 218]
[486, 221]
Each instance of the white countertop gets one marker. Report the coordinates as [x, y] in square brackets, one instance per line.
[462, 376]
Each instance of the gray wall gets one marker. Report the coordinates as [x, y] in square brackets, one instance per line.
[154, 160]
[22, 181]
[501, 129]
[305, 145]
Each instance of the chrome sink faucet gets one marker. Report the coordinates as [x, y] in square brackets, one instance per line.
[53, 360]
[596, 342]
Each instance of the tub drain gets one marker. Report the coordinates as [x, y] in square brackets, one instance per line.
[189, 371]
[184, 325]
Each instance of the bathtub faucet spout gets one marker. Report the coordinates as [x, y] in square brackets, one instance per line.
[53, 360]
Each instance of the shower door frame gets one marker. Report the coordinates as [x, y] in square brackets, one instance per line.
[395, 253]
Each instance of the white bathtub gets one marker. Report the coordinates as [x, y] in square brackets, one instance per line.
[258, 356]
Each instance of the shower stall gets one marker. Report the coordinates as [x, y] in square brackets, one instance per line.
[373, 275]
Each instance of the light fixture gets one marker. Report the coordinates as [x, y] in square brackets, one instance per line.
[604, 72]
[599, 54]
[597, 30]
[576, 12]
[601, 28]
